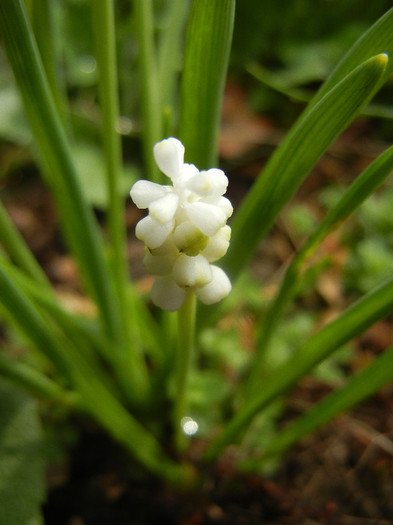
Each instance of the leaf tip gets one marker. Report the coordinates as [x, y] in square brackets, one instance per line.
[383, 59]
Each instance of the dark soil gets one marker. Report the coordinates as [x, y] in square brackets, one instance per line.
[339, 476]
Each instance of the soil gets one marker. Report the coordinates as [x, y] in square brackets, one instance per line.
[341, 475]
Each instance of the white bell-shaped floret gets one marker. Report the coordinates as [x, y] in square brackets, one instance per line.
[189, 239]
[218, 244]
[221, 202]
[167, 248]
[164, 209]
[218, 288]
[206, 217]
[144, 192]
[152, 232]
[159, 264]
[166, 294]
[169, 156]
[191, 271]
[212, 182]
[188, 172]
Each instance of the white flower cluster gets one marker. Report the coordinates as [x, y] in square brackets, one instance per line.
[185, 230]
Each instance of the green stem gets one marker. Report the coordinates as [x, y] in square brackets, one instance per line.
[185, 347]
[149, 86]
[131, 362]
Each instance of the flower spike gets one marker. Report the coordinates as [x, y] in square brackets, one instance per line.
[185, 229]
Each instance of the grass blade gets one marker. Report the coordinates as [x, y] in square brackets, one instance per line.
[296, 156]
[207, 47]
[18, 250]
[78, 221]
[95, 398]
[35, 382]
[105, 47]
[378, 39]
[357, 318]
[362, 187]
[364, 384]
[149, 86]
[42, 15]
[169, 53]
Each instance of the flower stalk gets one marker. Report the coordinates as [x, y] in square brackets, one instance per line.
[185, 351]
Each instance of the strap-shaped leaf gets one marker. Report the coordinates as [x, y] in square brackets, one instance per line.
[372, 307]
[296, 156]
[18, 250]
[95, 398]
[77, 218]
[364, 384]
[207, 47]
[105, 48]
[35, 382]
[378, 39]
[364, 185]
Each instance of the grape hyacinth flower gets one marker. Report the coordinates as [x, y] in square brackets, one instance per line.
[185, 230]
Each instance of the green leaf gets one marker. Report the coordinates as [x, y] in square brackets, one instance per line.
[378, 39]
[170, 51]
[364, 384]
[95, 398]
[207, 47]
[22, 485]
[353, 321]
[149, 85]
[18, 250]
[77, 218]
[365, 184]
[296, 156]
[34, 381]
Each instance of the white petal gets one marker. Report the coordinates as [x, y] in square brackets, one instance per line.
[191, 271]
[189, 239]
[153, 233]
[167, 295]
[189, 171]
[218, 245]
[207, 217]
[218, 288]
[169, 156]
[212, 182]
[221, 202]
[144, 192]
[167, 248]
[164, 209]
[159, 264]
